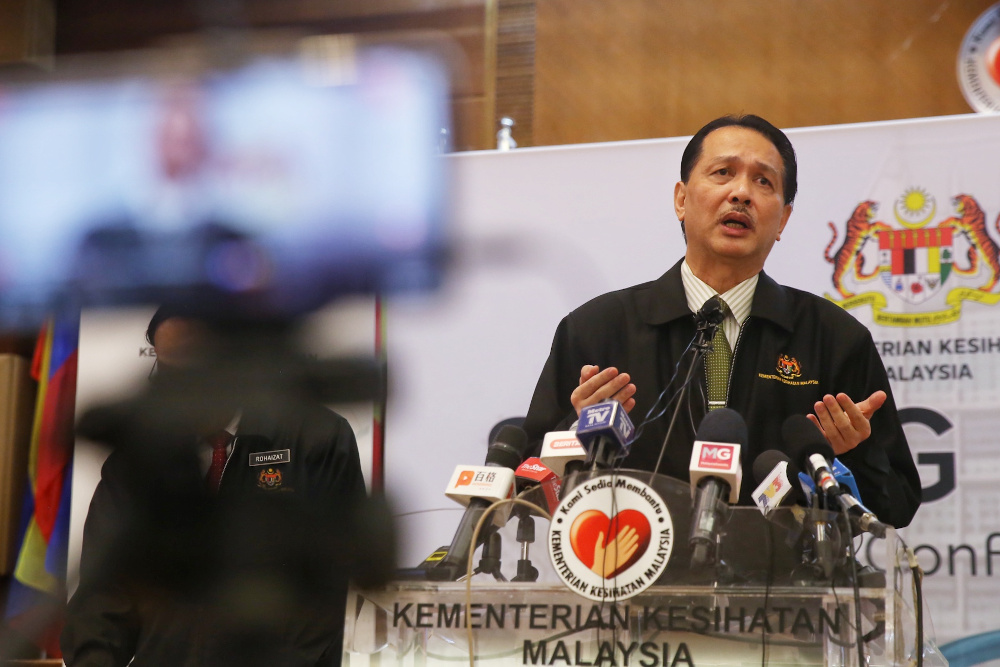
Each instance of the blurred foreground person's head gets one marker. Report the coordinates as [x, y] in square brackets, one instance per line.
[187, 351]
[180, 341]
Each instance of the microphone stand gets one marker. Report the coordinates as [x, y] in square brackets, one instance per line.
[829, 544]
[824, 549]
[489, 562]
[702, 344]
[525, 535]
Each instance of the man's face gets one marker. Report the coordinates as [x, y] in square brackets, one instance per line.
[733, 206]
[184, 353]
[181, 344]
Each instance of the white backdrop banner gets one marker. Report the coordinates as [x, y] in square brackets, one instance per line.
[897, 222]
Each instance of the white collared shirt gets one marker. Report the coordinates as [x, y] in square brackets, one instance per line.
[739, 299]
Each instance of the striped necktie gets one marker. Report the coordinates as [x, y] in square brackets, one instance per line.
[718, 363]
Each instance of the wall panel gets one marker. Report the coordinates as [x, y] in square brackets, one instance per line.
[635, 69]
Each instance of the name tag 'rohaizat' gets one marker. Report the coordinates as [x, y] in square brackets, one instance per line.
[270, 458]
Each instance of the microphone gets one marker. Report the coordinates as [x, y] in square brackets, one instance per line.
[809, 446]
[711, 312]
[563, 453]
[532, 475]
[841, 473]
[478, 487]
[707, 320]
[716, 475]
[777, 482]
[605, 431]
[535, 474]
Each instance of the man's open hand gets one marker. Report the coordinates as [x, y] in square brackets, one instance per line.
[844, 423]
[597, 385]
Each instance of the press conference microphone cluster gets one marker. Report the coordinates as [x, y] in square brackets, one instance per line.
[807, 445]
[716, 475]
[478, 487]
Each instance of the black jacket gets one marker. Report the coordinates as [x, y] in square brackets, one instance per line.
[644, 330]
[255, 574]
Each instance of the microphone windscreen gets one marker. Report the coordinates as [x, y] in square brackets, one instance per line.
[802, 439]
[711, 311]
[723, 425]
[766, 462]
[784, 489]
[508, 448]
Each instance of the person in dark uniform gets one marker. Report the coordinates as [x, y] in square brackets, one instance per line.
[792, 352]
[225, 535]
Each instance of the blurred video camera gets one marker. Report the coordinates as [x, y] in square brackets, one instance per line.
[258, 190]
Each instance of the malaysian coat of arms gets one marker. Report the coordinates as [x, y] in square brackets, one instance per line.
[920, 273]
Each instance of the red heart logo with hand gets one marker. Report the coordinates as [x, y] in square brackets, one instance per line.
[628, 534]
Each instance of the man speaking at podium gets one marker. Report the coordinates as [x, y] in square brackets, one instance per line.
[781, 351]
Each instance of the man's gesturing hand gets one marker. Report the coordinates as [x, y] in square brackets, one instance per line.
[597, 385]
[844, 423]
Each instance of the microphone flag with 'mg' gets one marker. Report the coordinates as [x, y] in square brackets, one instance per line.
[478, 487]
[716, 475]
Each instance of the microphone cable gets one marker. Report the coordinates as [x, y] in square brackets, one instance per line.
[917, 575]
[612, 523]
[673, 419]
[852, 554]
[469, 566]
[856, 629]
[650, 417]
[768, 583]
[918, 599]
[706, 320]
[859, 639]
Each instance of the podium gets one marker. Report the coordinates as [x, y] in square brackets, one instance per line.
[762, 603]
